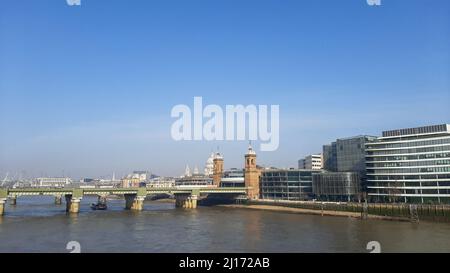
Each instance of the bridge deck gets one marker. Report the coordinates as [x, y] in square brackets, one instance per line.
[4, 193]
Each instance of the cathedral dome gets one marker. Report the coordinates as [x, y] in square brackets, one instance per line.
[209, 166]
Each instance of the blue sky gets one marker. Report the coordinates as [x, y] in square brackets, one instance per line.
[88, 90]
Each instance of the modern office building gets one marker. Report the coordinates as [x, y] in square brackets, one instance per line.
[410, 165]
[329, 154]
[233, 178]
[52, 182]
[337, 186]
[348, 155]
[313, 162]
[286, 184]
[89, 180]
[351, 155]
[301, 163]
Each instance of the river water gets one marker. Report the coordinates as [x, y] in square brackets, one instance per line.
[35, 224]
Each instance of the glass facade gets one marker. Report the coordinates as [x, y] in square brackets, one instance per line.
[351, 155]
[330, 157]
[233, 178]
[348, 155]
[289, 184]
[342, 186]
[410, 165]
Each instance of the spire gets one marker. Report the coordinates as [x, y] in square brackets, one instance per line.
[187, 171]
[218, 155]
[250, 150]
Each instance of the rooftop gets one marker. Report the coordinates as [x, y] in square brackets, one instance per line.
[441, 128]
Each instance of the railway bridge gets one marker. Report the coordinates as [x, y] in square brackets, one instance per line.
[186, 197]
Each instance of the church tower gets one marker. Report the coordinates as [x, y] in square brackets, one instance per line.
[251, 175]
[217, 169]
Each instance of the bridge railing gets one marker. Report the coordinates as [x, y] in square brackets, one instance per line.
[141, 191]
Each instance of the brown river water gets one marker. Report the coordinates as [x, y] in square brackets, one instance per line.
[35, 224]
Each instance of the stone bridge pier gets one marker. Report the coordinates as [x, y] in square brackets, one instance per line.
[73, 203]
[187, 201]
[13, 200]
[2, 205]
[134, 202]
[3, 198]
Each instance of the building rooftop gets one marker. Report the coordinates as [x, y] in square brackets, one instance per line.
[359, 136]
[441, 128]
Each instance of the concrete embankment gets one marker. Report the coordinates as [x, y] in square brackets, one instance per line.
[315, 212]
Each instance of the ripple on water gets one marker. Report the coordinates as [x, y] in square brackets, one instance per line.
[37, 225]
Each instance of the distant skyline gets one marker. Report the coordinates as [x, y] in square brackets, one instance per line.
[87, 90]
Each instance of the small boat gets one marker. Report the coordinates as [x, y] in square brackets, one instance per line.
[99, 206]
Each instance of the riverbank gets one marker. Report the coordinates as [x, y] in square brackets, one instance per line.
[315, 212]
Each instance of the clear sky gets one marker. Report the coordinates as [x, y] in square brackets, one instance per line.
[87, 90]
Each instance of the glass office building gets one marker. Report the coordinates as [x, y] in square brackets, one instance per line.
[410, 165]
[348, 155]
[330, 157]
[332, 186]
[286, 184]
[233, 178]
[351, 155]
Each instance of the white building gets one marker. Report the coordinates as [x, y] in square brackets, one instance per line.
[410, 165]
[209, 166]
[52, 182]
[136, 179]
[311, 162]
[161, 182]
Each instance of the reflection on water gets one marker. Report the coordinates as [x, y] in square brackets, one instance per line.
[36, 224]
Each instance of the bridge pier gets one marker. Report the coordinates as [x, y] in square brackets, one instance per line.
[186, 201]
[2, 206]
[13, 200]
[72, 204]
[186, 197]
[134, 202]
[58, 199]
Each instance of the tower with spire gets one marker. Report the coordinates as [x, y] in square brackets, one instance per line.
[217, 169]
[251, 173]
